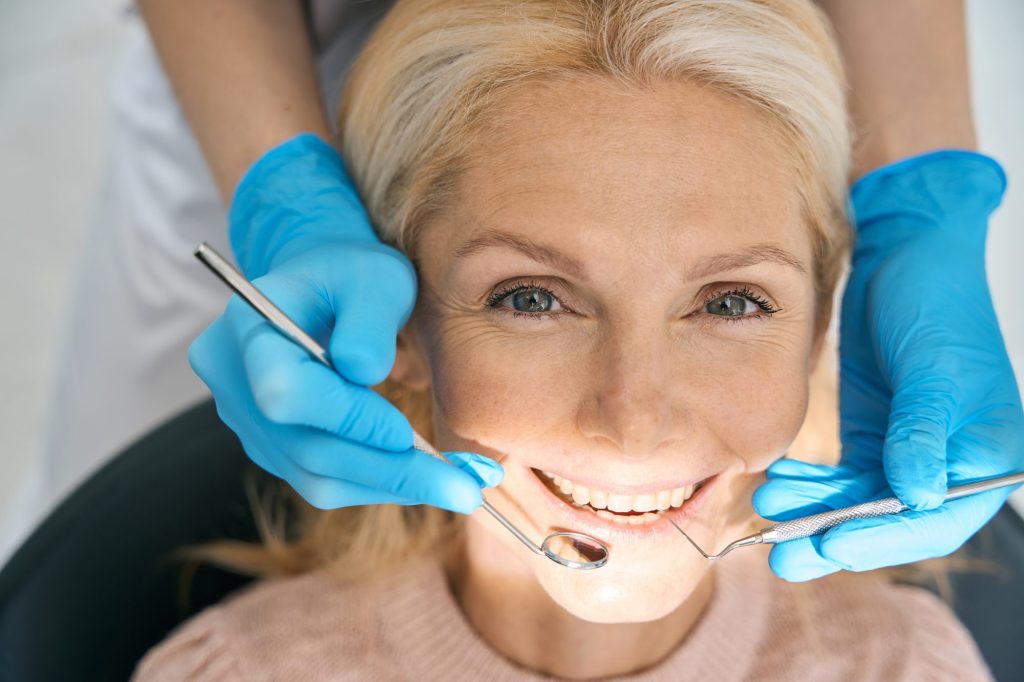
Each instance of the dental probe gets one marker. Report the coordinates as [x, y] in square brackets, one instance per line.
[586, 552]
[806, 526]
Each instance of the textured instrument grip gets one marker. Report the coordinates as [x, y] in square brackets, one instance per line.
[819, 523]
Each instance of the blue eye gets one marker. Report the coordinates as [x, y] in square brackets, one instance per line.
[738, 304]
[525, 299]
[731, 305]
[532, 301]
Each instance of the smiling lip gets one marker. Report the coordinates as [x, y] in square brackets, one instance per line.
[571, 518]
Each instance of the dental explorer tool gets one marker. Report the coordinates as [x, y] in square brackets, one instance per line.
[594, 553]
[814, 524]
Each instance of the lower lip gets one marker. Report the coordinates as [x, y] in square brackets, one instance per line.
[581, 520]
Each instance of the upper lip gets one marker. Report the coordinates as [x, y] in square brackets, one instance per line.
[634, 488]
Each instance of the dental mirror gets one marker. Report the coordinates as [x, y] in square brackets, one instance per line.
[572, 550]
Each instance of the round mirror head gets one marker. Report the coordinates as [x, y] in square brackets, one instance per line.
[575, 550]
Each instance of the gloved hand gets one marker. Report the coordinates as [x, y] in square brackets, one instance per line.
[927, 394]
[299, 229]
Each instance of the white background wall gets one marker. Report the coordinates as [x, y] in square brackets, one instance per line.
[57, 62]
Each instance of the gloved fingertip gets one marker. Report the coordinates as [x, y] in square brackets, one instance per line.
[798, 567]
[202, 351]
[782, 499]
[806, 573]
[484, 469]
[397, 436]
[917, 483]
[787, 467]
[837, 556]
[922, 499]
[462, 499]
[857, 545]
[765, 501]
[363, 365]
[914, 458]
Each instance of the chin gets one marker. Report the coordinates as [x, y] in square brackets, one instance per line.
[634, 591]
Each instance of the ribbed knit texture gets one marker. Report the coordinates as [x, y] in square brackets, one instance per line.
[408, 626]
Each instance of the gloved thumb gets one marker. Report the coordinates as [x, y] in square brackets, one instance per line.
[914, 453]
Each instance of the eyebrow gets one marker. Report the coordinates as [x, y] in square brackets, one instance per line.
[745, 257]
[705, 267]
[527, 247]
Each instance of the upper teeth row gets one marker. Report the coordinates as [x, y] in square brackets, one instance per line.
[600, 499]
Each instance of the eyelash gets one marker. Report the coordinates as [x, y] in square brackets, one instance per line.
[767, 309]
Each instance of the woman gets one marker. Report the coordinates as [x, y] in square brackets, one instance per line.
[635, 220]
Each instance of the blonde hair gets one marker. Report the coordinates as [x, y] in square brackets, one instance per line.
[432, 72]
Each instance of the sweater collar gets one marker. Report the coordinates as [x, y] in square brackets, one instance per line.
[424, 625]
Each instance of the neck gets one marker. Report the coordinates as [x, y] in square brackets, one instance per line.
[511, 611]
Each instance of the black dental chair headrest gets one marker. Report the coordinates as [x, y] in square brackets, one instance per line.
[96, 585]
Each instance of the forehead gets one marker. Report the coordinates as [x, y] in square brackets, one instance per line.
[588, 162]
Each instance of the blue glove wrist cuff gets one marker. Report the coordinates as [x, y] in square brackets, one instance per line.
[299, 188]
[949, 187]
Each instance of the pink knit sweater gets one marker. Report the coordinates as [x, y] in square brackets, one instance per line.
[409, 627]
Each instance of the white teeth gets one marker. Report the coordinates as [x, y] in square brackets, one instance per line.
[607, 502]
[620, 503]
[645, 503]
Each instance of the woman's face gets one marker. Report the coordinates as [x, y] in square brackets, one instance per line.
[620, 297]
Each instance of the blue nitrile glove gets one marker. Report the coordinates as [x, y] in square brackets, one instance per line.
[927, 394]
[298, 227]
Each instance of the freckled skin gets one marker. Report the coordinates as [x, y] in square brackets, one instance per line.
[634, 382]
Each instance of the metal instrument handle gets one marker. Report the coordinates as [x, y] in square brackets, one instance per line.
[819, 523]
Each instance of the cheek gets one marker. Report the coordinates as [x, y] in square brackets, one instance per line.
[754, 399]
[492, 389]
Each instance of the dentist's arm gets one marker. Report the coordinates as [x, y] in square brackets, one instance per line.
[906, 61]
[243, 71]
[927, 393]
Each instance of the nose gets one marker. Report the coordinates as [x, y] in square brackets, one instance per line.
[629, 404]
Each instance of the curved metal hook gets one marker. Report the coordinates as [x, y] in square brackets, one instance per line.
[755, 539]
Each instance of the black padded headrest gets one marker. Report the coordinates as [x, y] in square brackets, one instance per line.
[96, 585]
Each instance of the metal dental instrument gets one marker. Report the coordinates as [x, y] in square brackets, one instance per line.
[814, 524]
[572, 550]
